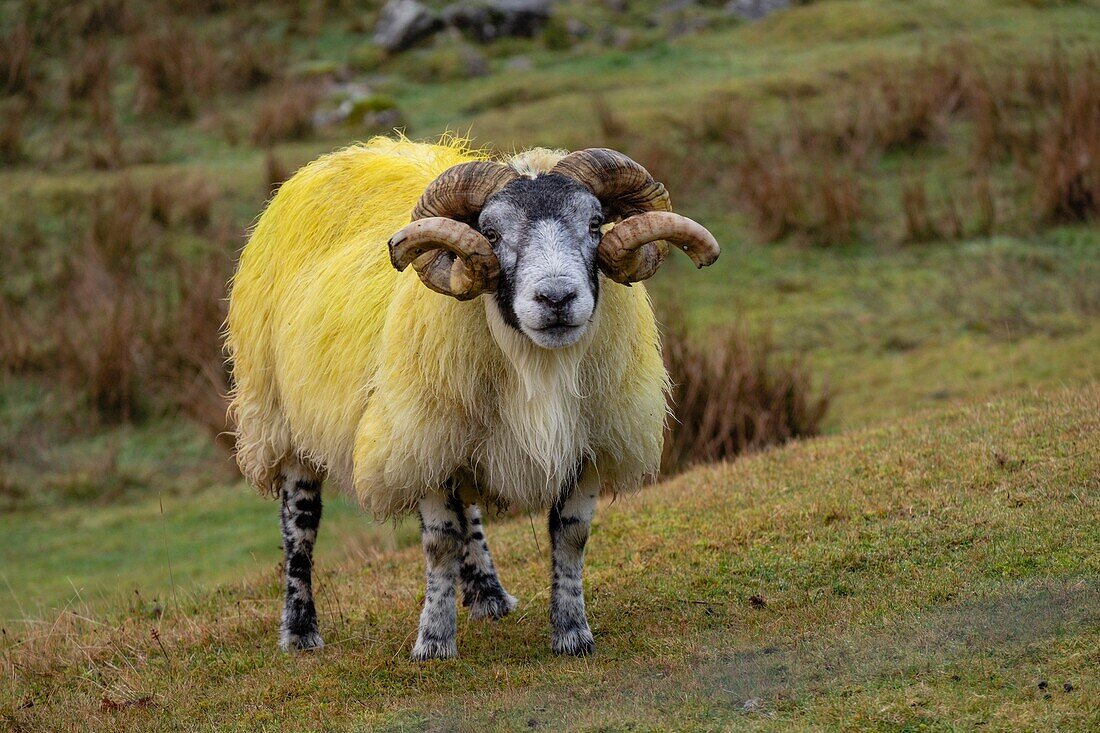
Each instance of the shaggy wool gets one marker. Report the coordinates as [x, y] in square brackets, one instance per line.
[392, 389]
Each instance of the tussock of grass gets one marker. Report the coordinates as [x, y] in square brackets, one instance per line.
[930, 571]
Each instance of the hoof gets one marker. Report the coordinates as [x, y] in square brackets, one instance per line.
[289, 642]
[426, 650]
[494, 607]
[575, 642]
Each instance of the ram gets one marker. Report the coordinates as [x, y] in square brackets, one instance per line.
[525, 374]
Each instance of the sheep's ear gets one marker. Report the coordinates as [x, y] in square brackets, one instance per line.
[450, 257]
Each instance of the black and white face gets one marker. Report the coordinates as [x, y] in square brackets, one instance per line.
[545, 232]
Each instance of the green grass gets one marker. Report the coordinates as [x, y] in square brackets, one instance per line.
[929, 572]
[146, 550]
[924, 566]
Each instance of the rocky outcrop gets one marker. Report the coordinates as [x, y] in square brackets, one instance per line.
[488, 20]
[404, 22]
[756, 9]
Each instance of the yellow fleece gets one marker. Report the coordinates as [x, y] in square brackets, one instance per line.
[341, 361]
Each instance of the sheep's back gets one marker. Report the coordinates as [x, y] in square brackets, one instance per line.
[311, 295]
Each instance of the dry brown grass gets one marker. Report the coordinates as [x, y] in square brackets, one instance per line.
[102, 318]
[129, 321]
[188, 201]
[16, 73]
[11, 136]
[189, 345]
[952, 213]
[802, 177]
[733, 394]
[254, 63]
[911, 106]
[612, 127]
[89, 75]
[174, 71]
[96, 18]
[1067, 176]
[275, 172]
[791, 189]
[286, 114]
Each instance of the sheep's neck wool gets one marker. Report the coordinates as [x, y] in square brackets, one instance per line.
[542, 434]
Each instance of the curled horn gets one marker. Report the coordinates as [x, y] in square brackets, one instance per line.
[619, 183]
[460, 191]
[634, 248]
[449, 255]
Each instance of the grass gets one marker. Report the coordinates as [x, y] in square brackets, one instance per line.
[157, 546]
[927, 572]
[924, 565]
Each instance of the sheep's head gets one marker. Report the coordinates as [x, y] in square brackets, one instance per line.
[538, 243]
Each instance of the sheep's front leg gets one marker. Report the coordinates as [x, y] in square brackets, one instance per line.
[443, 534]
[300, 515]
[481, 588]
[570, 521]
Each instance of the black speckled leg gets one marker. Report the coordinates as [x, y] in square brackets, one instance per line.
[570, 522]
[481, 588]
[300, 515]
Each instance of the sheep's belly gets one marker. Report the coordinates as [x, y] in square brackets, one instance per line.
[526, 476]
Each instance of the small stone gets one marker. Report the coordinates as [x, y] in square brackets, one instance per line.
[755, 9]
[519, 63]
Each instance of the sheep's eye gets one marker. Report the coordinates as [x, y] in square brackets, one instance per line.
[595, 224]
[491, 234]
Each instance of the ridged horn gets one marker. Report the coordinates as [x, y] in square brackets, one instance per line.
[460, 191]
[450, 257]
[621, 184]
[635, 247]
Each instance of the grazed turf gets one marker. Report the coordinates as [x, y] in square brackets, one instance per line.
[932, 571]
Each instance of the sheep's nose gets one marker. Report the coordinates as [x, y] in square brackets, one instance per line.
[555, 298]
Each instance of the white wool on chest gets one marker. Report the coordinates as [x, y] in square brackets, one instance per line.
[541, 434]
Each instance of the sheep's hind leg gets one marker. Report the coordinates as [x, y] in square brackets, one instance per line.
[570, 521]
[443, 534]
[300, 515]
[481, 588]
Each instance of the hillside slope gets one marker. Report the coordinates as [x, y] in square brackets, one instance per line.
[930, 573]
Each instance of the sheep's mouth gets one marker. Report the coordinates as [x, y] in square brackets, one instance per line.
[558, 329]
[557, 335]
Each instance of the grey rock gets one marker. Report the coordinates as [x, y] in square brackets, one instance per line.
[755, 9]
[519, 63]
[576, 28]
[404, 22]
[756, 706]
[488, 20]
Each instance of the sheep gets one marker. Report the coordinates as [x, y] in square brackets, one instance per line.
[514, 369]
